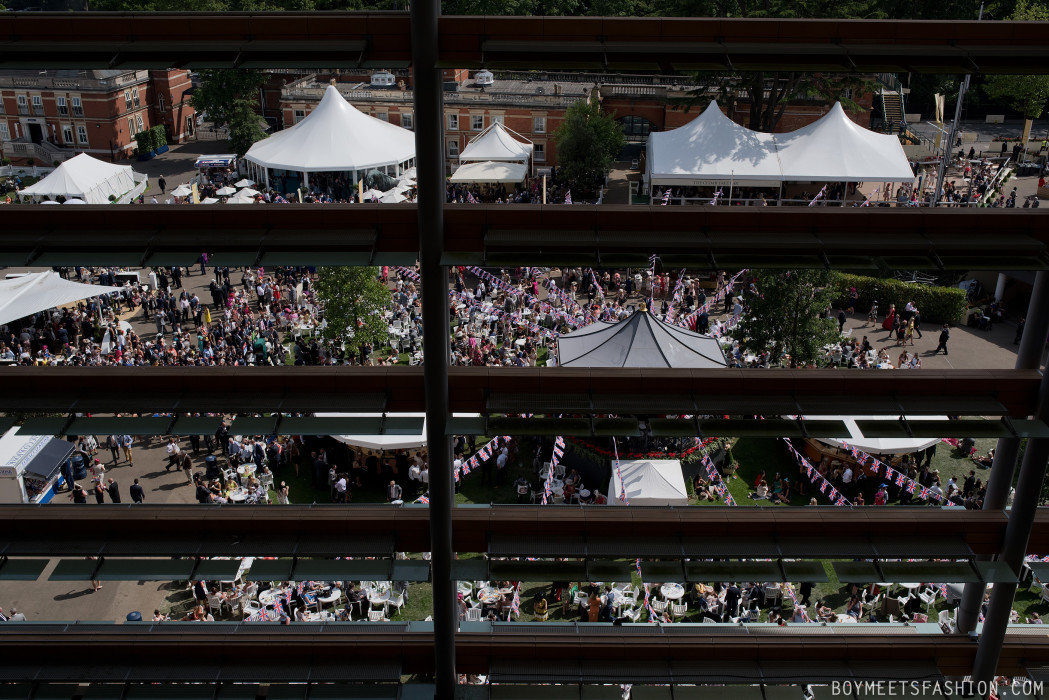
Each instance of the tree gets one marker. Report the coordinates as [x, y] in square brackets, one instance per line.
[786, 316]
[1026, 94]
[230, 98]
[245, 126]
[588, 142]
[353, 298]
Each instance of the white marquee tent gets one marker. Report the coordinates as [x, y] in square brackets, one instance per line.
[875, 445]
[657, 482]
[712, 150]
[38, 291]
[497, 143]
[334, 137]
[490, 172]
[640, 340]
[89, 179]
[390, 441]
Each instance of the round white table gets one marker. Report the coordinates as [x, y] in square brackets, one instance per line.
[584, 493]
[377, 598]
[556, 484]
[246, 469]
[269, 596]
[489, 595]
[911, 586]
[331, 598]
[672, 591]
[239, 496]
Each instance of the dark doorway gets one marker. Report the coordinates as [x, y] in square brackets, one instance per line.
[36, 133]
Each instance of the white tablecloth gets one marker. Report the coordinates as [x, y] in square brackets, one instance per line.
[672, 591]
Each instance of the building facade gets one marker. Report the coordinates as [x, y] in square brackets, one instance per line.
[52, 115]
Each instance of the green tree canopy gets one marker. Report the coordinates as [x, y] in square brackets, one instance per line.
[588, 142]
[354, 299]
[231, 98]
[1026, 94]
[786, 316]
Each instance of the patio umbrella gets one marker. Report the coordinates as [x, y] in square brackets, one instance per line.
[244, 183]
[247, 192]
[372, 194]
[226, 191]
[209, 200]
[181, 191]
[74, 201]
[50, 201]
[393, 197]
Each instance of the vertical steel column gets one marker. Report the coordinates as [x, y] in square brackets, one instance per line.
[1004, 466]
[1025, 502]
[429, 153]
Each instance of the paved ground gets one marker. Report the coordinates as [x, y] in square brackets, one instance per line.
[177, 164]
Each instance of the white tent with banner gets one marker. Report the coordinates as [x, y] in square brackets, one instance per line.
[490, 172]
[91, 180]
[876, 445]
[649, 482]
[39, 291]
[334, 138]
[714, 151]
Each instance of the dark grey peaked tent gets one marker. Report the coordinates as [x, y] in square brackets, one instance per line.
[641, 340]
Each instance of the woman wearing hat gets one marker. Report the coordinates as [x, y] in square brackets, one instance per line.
[882, 496]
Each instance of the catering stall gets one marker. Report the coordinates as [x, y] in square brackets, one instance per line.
[31, 467]
[211, 169]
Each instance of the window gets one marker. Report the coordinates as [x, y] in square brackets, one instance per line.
[127, 100]
[81, 134]
[63, 108]
[847, 93]
[131, 126]
[161, 99]
[23, 104]
[635, 128]
[138, 119]
[134, 97]
[384, 116]
[3, 110]
[453, 148]
[300, 114]
[408, 120]
[539, 125]
[38, 105]
[477, 122]
[67, 134]
[539, 152]
[78, 109]
[453, 122]
[5, 135]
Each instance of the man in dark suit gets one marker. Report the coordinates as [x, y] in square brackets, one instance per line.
[732, 596]
[114, 491]
[138, 494]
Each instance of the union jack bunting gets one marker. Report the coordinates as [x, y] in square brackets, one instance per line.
[638, 567]
[619, 471]
[257, 616]
[515, 606]
[924, 493]
[470, 198]
[717, 196]
[911, 486]
[823, 487]
[424, 499]
[818, 196]
[666, 197]
[568, 197]
[900, 478]
[840, 501]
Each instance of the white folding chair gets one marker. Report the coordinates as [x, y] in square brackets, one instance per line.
[377, 616]
[631, 615]
[473, 614]
[679, 610]
[658, 605]
[215, 603]
[928, 596]
[396, 600]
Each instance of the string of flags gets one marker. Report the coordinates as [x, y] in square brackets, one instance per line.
[652, 287]
[557, 313]
[676, 298]
[897, 477]
[555, 459]
[619, 471]
[690, 320]
[826, 488]
[717, 196]
[715, 479]
[666, 196]
[819, 195]
[515, 605]
[482, 455]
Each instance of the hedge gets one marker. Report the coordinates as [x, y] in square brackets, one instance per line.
[144, 139]
[160, 137]
[939, 304]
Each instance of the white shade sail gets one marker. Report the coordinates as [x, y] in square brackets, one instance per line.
[39, 291]
[712, 149]
[335, 137]
[657, 482]
[244, 183]
[879, 446]
[181, 191]
[387, 442]
[87, 178]
[488, 172]
[497, 143]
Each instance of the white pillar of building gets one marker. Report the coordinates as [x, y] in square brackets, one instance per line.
[999, 289]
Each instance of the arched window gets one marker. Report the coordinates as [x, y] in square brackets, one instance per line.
[635, 128]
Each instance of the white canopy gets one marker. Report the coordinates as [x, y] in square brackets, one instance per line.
[335, 137]
[640, 340]
[497, 143]
[25, 295]
[656, 482]
[386, 442]
[837, 149]
[712, 148]
[879, 446]
[87, 178]
[181, 191]
[489, 171]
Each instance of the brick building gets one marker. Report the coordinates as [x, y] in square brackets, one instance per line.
[55, 114]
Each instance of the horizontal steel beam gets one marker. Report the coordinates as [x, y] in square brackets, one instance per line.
[317, 652]
[306, 389]
[337, 39]
[190, 530]
[707, 238]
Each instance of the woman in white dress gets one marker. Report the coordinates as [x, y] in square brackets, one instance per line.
[282, 494]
